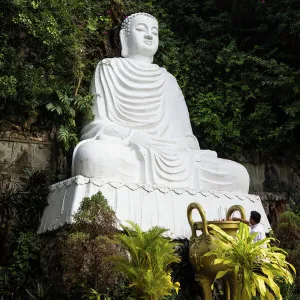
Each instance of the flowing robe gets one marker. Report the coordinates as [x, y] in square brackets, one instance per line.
[139, 108]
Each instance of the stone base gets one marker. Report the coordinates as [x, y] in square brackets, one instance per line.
[144, 204]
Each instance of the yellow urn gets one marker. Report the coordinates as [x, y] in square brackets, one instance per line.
[200, 245]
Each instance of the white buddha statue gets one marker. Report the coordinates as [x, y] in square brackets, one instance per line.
[141, 132]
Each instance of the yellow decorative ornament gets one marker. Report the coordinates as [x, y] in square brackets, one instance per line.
[206, 271]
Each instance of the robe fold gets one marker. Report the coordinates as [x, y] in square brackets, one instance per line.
[133, 96]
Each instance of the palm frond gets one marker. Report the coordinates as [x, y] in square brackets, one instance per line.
[148, 261]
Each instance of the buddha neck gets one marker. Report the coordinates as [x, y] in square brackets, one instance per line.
[140, 58]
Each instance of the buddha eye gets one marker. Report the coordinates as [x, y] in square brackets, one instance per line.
[154, 30]
[140, 28]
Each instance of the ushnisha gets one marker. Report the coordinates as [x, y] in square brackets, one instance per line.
[141, 132]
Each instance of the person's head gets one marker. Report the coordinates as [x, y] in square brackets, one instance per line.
[254, 217]
[139, 36]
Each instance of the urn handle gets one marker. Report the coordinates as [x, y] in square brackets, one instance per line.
[233, 209]
[200, 209]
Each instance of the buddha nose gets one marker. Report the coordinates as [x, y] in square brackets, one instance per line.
[148, 36]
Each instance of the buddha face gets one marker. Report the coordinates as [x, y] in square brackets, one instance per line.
[142, 39]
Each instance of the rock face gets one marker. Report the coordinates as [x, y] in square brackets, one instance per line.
[278, 186]
[18, 155]
[15, 156]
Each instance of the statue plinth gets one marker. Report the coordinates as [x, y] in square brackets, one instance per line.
[146, 205]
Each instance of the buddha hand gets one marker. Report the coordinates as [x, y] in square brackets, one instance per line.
[140, 138]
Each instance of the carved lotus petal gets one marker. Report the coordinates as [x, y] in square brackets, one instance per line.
[179, 191]
[98, 181]
[204, 193]
[227, 195]
[132, 186]
[163, 189]
[215, 194]
[80, 180]
[192, 191]
[148, 188]
[116, 184]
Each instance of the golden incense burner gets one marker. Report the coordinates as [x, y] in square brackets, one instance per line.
[199, 245]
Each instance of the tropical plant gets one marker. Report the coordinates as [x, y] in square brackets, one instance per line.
[255, 266]
[147, 265]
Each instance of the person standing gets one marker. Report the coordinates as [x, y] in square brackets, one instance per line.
[255, 225]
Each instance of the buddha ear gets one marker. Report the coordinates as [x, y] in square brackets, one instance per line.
[123, 38]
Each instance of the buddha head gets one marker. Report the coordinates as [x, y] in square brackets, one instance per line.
[139, 36]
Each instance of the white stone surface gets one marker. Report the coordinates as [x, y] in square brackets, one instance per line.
[144, 204]
[142, 132]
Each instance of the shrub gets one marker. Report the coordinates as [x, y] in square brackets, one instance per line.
[288, 233]
[147, 265]
[23, 266]
[184, 273]
[86, 248]
[20, 212]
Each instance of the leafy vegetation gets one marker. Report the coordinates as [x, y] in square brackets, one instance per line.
[288, 233]
[255, 265]
[75, 261]
[183, 272]
[21, 209]
[237, 62]
[239, 70]
[238, 65]
[20, 212]
[48, 49]
[86, 248]
[147, 265]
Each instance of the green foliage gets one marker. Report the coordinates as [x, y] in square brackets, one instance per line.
[255, 265]
[95, 217]
[24, 257]
[21, 208]
[95, 295]
[20, 273]
[64, 112]
[38, 293]
[184, 273]
[48, 50]
[288, 233]
[239, 76]
[236, 63]
[288, 291]
[296, 210]
[148, 263]
[86, 248]
[20, 213]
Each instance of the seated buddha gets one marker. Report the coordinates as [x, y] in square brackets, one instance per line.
[141, 132]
